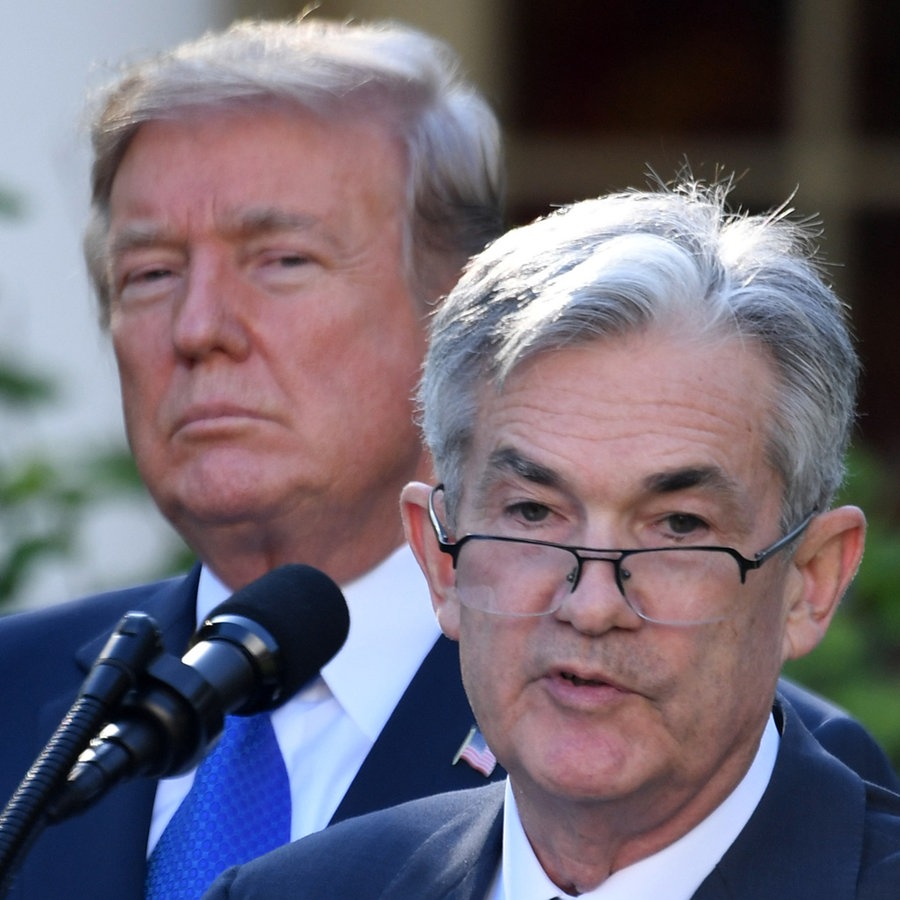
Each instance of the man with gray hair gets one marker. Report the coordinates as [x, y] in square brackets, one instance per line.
[638, 410]
[275, 211]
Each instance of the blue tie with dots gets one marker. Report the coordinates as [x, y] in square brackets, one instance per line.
[239, 807]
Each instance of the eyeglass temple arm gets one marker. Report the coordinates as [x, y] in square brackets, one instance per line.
[780, 544]
[441, 535]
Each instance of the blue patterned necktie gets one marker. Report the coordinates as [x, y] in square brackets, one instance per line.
[239, 807]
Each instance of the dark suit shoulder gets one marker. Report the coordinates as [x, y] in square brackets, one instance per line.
[75, 619]
[365, 856]
[841, 735]
[880, 867]
[78, 613]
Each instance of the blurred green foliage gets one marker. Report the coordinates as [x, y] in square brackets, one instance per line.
[11, 204]
[857, 665]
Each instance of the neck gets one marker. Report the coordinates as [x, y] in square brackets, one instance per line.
[581, 843]
[241, 552]
[334, 529]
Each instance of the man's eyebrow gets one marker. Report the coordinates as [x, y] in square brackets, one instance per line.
[138, 234]
[682, 479]
[146, 233]
[506, 460]
[257, 221]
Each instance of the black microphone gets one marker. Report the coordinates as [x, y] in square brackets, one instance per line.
[252, 653]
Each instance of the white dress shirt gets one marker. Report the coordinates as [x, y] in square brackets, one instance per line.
[675, 872]
[327, 729]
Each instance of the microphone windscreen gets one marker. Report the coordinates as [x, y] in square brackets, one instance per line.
[303, 610]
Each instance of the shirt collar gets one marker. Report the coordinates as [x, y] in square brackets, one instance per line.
[210, 593]
[682, 866]
[392, 629]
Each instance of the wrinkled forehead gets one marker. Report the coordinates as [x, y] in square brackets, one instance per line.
[650, 410]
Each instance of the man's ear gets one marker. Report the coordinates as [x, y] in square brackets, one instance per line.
[437, 565]
[826, 561]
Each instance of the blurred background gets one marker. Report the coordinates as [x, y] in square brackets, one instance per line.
[799, 98]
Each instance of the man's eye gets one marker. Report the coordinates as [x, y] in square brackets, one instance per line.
[684, 524]
[144, 283]
[149, 275]
[530, 511]
[292, 260]
[284, 258]
[284, 269]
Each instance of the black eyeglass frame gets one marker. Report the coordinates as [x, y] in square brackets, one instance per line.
[745, 565]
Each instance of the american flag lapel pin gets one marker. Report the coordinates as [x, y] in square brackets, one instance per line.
[475, 751]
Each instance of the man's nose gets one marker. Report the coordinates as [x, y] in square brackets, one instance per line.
[596, 605]
[210, 315]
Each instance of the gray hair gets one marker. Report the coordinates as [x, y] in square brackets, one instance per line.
[388, 72]
[674, 259]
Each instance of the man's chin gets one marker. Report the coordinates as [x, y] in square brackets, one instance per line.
[222, 496]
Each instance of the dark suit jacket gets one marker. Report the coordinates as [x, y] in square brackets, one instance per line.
[818, 832]
[44, 658]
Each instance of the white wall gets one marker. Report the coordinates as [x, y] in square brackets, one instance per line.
[51, 52]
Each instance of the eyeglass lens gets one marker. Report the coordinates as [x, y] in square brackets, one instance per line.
[670, 586]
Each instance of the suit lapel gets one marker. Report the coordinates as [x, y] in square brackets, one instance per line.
[171, 604]
[413, 756]
[460, 859]
[803, 842]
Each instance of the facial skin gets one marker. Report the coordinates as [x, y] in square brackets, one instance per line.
[590, 446]
[266, 337]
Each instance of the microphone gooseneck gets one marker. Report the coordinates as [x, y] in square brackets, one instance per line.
[123, 659]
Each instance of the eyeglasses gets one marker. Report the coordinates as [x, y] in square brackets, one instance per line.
[667, 585]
